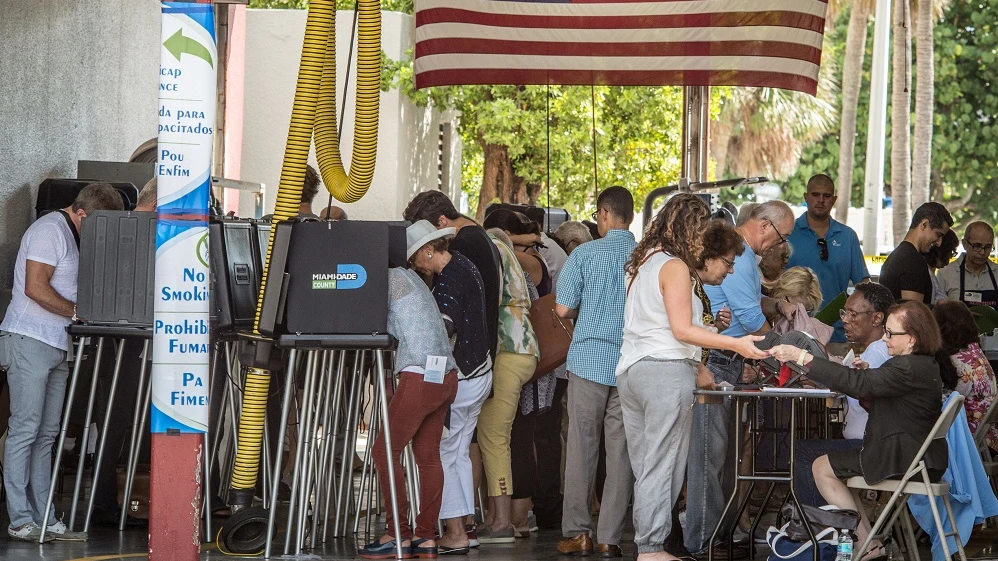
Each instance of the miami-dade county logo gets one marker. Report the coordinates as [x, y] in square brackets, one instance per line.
[346, 277]
[202, 249]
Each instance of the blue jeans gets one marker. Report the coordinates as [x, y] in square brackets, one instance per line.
[710, 469]
[37, 375]
[805, 453]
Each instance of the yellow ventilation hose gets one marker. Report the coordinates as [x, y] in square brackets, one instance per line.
[349, 189]
[316, 81]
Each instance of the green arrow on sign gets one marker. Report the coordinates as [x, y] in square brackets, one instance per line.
[178, 44]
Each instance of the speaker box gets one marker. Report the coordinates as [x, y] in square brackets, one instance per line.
[548, 218]
[234, 272]
[54, 194]
[117, 268]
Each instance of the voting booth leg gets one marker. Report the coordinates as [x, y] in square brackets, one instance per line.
[60, 443]
[380, 373]
[103, 434]
[289, 390]
[135, 448]
[175, 477]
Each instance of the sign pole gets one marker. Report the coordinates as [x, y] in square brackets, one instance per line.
[181, 357]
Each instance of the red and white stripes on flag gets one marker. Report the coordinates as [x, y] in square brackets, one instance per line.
[774, 43]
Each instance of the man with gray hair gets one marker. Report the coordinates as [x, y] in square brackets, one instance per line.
[33, 351]
[711, 463]
[571, 234]
[971, 278]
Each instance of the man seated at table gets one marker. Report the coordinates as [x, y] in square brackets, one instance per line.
[863, 319]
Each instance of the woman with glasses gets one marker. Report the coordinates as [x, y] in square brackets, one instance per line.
[904, 399]
[937, 258]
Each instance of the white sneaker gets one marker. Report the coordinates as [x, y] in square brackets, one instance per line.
[60, 532]
[29, 532]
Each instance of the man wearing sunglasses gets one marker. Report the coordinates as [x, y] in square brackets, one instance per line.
[971, 278]
[827, 246]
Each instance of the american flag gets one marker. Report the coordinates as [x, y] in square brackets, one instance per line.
[774, 43]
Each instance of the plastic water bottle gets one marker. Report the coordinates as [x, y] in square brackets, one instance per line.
[844, 550]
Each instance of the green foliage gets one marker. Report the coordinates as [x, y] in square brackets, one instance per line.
[964, 143]
[637, 135]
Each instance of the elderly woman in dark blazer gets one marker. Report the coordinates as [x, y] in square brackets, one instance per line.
[904, 398]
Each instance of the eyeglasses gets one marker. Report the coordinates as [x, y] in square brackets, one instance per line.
[783, 240]
[823, 249]
[987, 247]
[595, 214]
[850, 315]
[892, 334]
[729, 264]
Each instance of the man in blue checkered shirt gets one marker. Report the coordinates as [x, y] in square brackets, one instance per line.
[591, 289]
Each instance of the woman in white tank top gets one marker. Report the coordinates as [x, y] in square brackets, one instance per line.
[660, 358]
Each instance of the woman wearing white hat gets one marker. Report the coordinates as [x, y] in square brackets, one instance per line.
[427, 385]
[460, 295]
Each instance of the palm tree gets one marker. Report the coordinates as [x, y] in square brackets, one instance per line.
[763, 131]
[921, 166]
[852, 77]
[901, 118]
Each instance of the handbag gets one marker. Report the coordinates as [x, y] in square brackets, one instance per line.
[784, 548]
[818, 518]
[553, 335]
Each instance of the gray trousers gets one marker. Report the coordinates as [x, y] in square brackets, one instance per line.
[655, 396]
[710, 471]
[37, 375]
[595, 408]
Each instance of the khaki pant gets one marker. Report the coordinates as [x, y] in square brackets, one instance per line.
[510, 373]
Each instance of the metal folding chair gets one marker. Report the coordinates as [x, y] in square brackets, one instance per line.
[915, 482]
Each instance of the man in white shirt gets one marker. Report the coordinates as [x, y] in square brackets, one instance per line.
[971, 278]
[33, 351]
[863, 318]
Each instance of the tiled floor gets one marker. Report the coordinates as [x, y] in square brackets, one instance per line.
[108, 544]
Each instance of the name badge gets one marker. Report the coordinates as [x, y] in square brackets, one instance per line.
[974, 297]
[435, 369]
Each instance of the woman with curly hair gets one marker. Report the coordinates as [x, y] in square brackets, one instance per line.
[660, 362]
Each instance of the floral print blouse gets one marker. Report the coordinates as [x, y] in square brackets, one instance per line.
[977, 385]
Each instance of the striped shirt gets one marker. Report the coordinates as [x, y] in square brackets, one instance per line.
[592, 281]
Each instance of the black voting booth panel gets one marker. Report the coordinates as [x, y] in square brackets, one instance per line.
[548, 218]
[262, 230]
[116, 276]
[54, 194]
[328, 283]
[235, 273]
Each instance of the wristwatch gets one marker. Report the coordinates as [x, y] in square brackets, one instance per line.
[74, 319]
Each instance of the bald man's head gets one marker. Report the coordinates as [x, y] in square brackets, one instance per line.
[978, 242]
[333, 213]
[979, 228]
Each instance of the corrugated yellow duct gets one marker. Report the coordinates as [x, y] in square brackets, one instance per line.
[343, 187]
[316, 86]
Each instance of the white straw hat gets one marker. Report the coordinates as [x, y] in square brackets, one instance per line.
[421, 233]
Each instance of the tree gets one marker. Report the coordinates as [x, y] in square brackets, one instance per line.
[901, 118]
[764, 131]
[924, 107]
[852, 77]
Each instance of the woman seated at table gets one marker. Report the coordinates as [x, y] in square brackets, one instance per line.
[962, 342]
[904, 398]
[798, 285]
